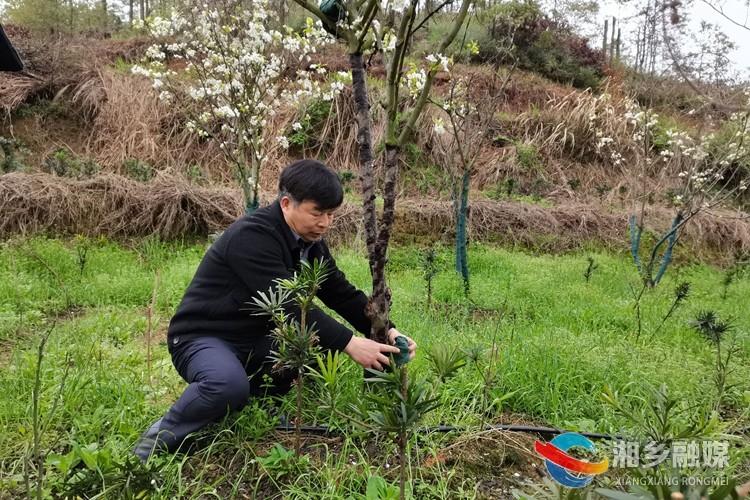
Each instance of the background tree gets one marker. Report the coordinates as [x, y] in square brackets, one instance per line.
[390, 29]
[237, 73]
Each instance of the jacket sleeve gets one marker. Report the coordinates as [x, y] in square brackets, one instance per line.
[256, 256]
[337, 293]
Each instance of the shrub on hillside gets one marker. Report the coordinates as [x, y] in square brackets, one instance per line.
[520, 32]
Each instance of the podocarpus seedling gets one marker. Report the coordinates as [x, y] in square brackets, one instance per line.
[395, 409]
[446, 360]
[296, 340]
[681, 292]
[708, 324]
[736, 270]
[657, 415]
[593, 266]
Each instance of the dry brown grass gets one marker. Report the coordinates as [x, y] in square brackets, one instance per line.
[59, 64]
[171, 207]
[567, 127]
[110, 204]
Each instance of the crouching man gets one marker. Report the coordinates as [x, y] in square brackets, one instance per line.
[218, 347]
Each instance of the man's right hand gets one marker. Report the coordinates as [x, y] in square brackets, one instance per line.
[369, 353]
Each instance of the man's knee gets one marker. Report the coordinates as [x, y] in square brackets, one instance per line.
[230, 391]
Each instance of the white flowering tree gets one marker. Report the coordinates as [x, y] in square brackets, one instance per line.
[237, 71]
[702, 172]
[387, 26]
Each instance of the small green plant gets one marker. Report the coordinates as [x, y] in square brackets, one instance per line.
[592, 266]
[681, 293]
[528, 157]
[395, 409]
[296, 339]
[658, 416]
[64, 163]
[88, 470]
[82, 245]
[379, 489]
[281, 462]
[446, 360]
[714, 330]
[735, 271]
[329, 372]
[138, 170]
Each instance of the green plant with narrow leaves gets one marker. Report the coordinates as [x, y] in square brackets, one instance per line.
[714, 330]
[329, 372]
[681, 293]
[395, 408]
[660, 417]
[446, 360]
[669, 485]
[592, 266]
[296, 339]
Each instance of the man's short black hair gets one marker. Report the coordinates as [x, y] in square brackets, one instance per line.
[314, 181]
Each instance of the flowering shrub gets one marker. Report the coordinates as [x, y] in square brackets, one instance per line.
[237, 72]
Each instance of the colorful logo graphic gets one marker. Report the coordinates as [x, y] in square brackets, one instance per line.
[565, 469]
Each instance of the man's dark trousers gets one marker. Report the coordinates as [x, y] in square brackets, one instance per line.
[221, 378]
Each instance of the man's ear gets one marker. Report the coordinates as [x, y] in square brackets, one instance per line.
[284, 201]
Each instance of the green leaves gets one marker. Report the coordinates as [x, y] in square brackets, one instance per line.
[391, 410]
[446, 360]
[379, 489]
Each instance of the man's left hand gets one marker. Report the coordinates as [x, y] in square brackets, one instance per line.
[393, 333]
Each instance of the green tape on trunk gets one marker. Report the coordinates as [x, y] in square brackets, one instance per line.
[402, 357]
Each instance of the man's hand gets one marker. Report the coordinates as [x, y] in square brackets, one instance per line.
[369, 353]
[393, 333]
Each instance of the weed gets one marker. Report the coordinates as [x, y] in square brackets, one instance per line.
[527, 157]
[713, 329]
[64, 164]
[138, 170]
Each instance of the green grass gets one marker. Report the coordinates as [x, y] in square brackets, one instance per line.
[561, 341]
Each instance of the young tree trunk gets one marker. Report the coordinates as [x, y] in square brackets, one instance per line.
[462, 213]
[379, 305]
[298, 420]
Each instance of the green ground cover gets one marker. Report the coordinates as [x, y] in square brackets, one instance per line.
[561, 342]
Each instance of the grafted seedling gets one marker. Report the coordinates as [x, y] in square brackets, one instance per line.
[296, 340]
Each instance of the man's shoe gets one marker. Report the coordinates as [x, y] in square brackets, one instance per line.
[149, 443]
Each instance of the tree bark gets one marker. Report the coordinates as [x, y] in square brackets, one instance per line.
[379, 304]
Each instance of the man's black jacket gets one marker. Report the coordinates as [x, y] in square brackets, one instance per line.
[253, 252]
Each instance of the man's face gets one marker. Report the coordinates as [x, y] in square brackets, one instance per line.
[306, 219]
